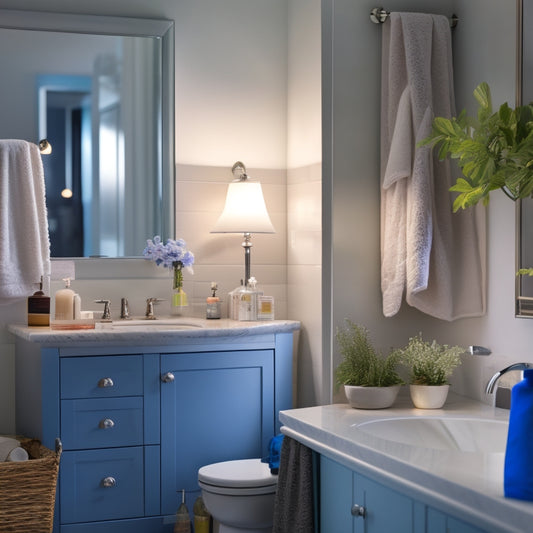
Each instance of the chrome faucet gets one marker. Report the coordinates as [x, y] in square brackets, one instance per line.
[124, 309]
[149, 315]
[493, 380]
[106, 315]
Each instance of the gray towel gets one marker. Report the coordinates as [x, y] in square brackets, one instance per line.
[433, 256]
[293, 508]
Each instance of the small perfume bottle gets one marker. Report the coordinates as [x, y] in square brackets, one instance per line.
[213, 303]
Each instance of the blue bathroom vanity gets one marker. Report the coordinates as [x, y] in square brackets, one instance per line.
[410, 470]
[139, 408]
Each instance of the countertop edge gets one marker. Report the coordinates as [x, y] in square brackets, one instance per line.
[106, 335]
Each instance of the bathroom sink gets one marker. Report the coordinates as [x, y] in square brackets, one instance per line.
[152, 325]
[441, 433]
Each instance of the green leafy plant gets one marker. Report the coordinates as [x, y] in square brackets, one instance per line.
[430, 363]
[362, 364]
[494, 150]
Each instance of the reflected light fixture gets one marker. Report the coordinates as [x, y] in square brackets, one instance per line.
[244, 212]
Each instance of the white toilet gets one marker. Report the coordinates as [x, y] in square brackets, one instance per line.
[239, 495]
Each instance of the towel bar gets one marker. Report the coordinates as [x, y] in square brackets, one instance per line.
[379, 15]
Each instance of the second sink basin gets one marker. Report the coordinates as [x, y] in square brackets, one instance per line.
[441, 433]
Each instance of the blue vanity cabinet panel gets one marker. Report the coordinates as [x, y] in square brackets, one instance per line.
[336, 497]
[439, 522]
[222, 405]
[101, 377]
[83, 492]
[219, 407]
[283, 374]
[385, 509]
[135, 525]
[102, 422]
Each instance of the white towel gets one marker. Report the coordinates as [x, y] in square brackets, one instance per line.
[433, 256]
[24, 241]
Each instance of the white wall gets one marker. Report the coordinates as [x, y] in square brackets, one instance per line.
[304, 182]
[484, 50]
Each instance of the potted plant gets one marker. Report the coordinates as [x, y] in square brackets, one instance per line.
[494, 150]
[370, 381]
[430, 365]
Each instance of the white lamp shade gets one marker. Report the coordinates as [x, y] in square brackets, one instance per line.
[245, 210]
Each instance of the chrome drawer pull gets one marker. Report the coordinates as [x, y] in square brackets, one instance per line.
[105, 382]
[106, 423]
[168, 377]
[109, 482]
[358, 510]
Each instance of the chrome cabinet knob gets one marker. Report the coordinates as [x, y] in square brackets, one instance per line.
[109, 482]
[105, 382]
[106, 423]
[168, 377]
[358, 510]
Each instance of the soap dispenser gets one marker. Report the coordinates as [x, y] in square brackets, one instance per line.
[518, 471]
[39, 308]
[213, 303]
[64, 299]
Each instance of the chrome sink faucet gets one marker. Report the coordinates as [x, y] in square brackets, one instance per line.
[149, 315]
[516, 366]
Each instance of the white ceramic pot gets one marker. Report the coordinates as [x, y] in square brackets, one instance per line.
[371, 397]
[429, 396]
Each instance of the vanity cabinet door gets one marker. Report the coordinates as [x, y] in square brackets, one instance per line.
[350, 502]
[384, 508]
[101, 377]
[336, 498]
[102, 484]
[215, 406]
[102, 422]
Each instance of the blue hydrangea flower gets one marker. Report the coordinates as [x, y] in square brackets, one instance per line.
[173, 253]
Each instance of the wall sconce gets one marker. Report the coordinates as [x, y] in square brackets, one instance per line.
[244, 212]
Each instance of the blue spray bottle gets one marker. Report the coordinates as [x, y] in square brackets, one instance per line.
[518, 473]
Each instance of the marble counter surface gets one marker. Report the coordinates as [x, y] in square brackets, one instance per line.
[166, 330]
[468, 485]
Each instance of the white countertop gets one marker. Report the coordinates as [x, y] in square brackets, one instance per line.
[138, 332]
[468, 485]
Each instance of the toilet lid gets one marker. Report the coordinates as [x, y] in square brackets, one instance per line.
[245, 473]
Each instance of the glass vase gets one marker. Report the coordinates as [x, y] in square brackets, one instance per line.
[179, 296]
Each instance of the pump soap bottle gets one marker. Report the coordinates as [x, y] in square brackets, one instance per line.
[518, 470]
[64, 299]
[39, 308]
[213, 303]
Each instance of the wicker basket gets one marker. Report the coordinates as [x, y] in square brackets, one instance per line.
[28, 490]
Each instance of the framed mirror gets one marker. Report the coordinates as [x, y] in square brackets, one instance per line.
[101, 91]
[524, 209]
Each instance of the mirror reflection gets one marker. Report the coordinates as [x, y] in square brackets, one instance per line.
[99, 100]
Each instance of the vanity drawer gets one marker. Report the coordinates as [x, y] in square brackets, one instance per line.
[101, 422]
[101, 485]
[106, 376]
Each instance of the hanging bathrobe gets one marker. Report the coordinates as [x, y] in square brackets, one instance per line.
[432, 256]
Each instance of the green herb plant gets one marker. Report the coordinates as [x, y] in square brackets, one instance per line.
[494, 150]
[429, 363]
[362, 365]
